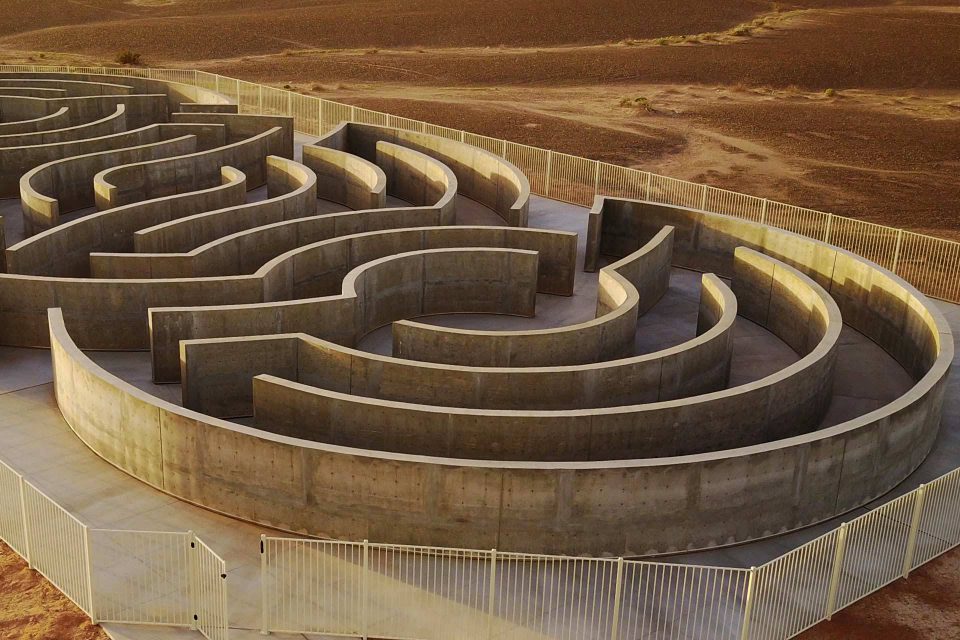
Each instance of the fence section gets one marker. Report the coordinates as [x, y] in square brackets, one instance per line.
[131, 577]
[408, 592]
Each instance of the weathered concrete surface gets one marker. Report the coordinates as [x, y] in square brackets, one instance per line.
[315, 271]
[56, 120]
[119, 185]
[65, 185]
[345, 178]
[244, 126]
[625, 288]
[482, 176]
[291, 194]
[419, 179]
[141, 109]
[192, 107]
[71, 249]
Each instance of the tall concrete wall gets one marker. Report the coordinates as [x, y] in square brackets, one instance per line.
[116, 122]
[119, 185]
[71, 87]
[291, 189]
[216, 373]
[347, 179]
[141, 109]
[66, 185]
[418, 179]
[481, 176]
[688, 502]
[72, 249]
[56, 120]
[321, 268]
[638, 281]
[31, 92]
[242, 127]
[191, 107]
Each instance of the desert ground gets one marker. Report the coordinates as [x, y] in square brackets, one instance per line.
[848, 106]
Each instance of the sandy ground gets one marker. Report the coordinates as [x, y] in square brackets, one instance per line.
[848, 106]
[32, 609]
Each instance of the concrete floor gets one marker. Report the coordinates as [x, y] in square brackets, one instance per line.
[36, 442]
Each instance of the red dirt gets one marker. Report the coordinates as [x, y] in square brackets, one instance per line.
[32, 608]
[921, 608]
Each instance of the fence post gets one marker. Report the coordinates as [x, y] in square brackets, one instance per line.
[194, 581]
[88, 562]
[546, 188]
[763, 211]
[596, 179]
[748, 604]
[491, 592]
[911, 551]
[353, 113]
[260, 99]
[239, 101]
[896, 251]
[26, 522]
[617, 594]
[826, 234]
[264, 627]
[363, 602]
[649, 185]
[837, 571]
[703, 198]
[290, 106]
[196, 78]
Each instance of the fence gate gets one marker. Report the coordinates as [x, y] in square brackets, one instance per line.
[209, 591]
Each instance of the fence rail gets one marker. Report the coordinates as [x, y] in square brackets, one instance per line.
[408, 592]
[133, 577]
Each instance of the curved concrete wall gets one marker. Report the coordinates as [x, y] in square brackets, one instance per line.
[291, 194]
[687, 502]
[192, 107]
[176, 92]
[789, 402]
[347, 179]
[244, 126]
[66, 185]
[417, 178]
[216, 374]
[56, 120]
[69, 249]
[481, 176]
[71, 87]
[119, 185]
[634, 283]
[318, 269]
[141, 109]
[31, 92]
[114, 123]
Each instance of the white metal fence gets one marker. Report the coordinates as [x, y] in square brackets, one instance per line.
[134, 577]
[929, 263]
[400, 592]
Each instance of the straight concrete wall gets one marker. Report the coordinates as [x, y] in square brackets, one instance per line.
[190, 107]
[347, 179]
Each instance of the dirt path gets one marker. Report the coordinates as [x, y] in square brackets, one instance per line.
[31, 608]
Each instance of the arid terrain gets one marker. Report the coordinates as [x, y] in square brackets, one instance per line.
[848, 106]
[31, 608]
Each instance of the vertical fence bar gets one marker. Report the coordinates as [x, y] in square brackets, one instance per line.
[89, 565]
[911, 551]
[364, 591]
[264, 622]
[491, 593]
[617, 596]
[748, 604]
[837, 571]
[26, 524]
[194, 580]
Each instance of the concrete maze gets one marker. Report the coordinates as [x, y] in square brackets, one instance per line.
[382, 335]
